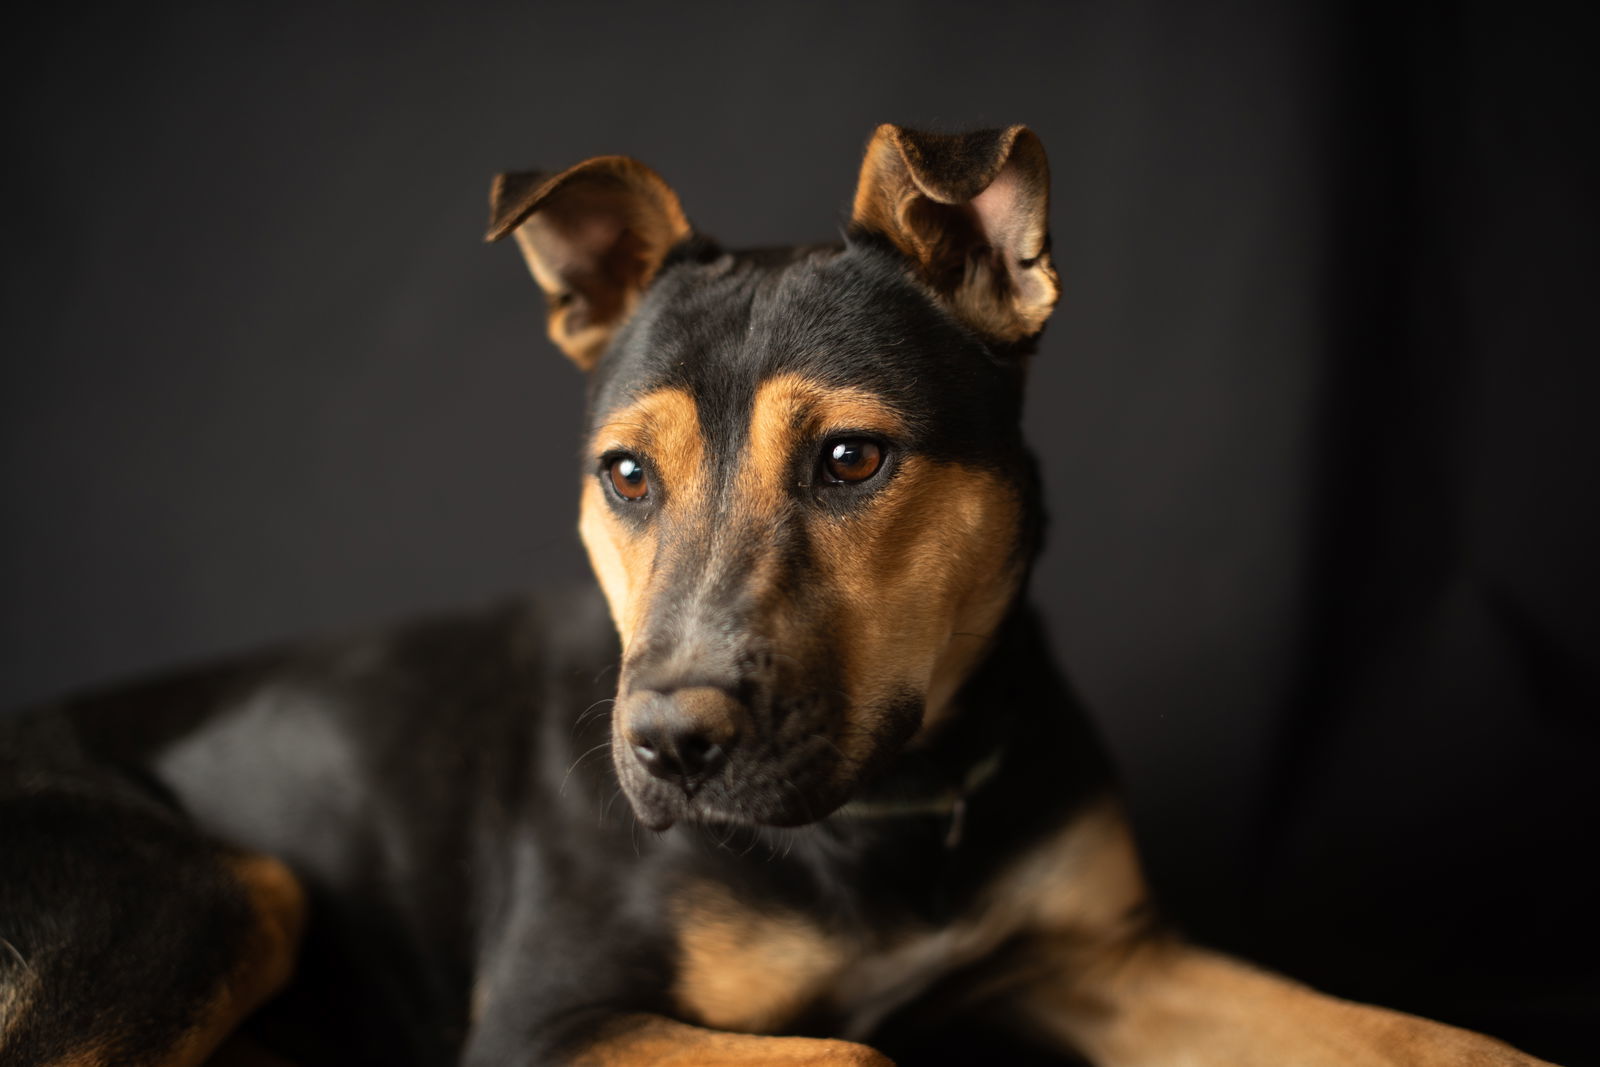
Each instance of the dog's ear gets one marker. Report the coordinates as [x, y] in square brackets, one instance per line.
[593, 237]
[973, 212]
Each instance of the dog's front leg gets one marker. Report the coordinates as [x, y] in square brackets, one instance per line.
[1111, 988]
[1104, 983]
[1159, 1002]
[653, 1039]
[551, 1000]
[636, 1039]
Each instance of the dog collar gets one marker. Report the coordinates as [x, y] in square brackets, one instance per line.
[950, 803]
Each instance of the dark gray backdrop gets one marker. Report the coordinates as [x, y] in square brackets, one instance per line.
[1316, 412]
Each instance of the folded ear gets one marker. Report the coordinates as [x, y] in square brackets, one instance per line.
[593, 237]
[973, 212]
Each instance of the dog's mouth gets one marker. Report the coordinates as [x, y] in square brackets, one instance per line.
[801, 785]
[796, 771]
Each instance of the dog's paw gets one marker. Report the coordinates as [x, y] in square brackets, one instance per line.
[842, 1054]
[811, 1052]
[660, 1042]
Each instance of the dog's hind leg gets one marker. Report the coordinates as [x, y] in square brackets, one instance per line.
[127, 938]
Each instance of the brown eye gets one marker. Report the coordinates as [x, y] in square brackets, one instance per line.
[627, 478]
[852, 460]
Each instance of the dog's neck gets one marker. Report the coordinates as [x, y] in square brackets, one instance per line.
[996, 710]
[948, 802]
[938, 775]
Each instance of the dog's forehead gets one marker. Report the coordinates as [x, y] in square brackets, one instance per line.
[843, 318]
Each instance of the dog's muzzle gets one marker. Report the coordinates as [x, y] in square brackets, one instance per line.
[709, 753]
[683, 737]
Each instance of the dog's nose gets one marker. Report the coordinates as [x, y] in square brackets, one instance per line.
[682, 737]
[677, 751]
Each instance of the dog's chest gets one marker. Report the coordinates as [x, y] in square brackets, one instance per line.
[759, 972]
[744, 968]
[878, 983]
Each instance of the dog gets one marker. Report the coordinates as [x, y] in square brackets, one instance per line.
[802, 787]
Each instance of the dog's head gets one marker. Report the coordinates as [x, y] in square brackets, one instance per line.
[806, 496]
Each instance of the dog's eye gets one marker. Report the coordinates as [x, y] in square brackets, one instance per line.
[627, 478]
[852, 460]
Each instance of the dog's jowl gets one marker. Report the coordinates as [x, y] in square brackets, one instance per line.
[801, 785]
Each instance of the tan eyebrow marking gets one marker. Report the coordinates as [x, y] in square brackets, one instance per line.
[664, 426]
[790, 409]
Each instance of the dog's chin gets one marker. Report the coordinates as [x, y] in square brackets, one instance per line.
[660, 809]
[789, 781]
[659, 806]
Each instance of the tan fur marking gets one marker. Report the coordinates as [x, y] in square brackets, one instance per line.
[611, 551]
[664, 427]
[750, 970]
[922, 575]
[1161, 1001]
[639, 1040]
[741, 969]
[1106, 988]
[789, 409]
[1077, 889]
[922, 578]
[264, 967]
[16, 992]
[715, 714]
[1086, 881]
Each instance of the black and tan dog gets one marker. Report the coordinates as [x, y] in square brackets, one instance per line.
[867, 810]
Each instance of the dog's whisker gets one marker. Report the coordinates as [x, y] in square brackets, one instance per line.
[605, 812]
[602, 746]
[592, 711]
